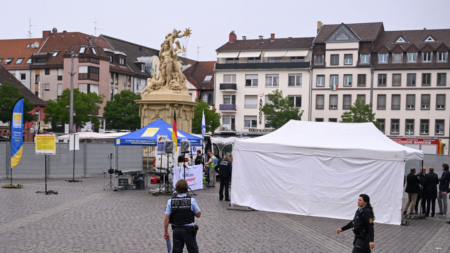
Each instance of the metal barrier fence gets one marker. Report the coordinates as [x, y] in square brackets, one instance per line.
[429, 160]
[91, 159]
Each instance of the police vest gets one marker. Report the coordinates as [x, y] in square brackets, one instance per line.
[181, 211]
[214, 162]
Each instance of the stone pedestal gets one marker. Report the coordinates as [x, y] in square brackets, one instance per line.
[161, 103]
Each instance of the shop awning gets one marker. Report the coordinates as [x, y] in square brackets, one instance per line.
[249, 54]
[228, 55]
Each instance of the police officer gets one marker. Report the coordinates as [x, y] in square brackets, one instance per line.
[213, 161]
[225, 175]
[362, 226]
[180, 212]
[199, 158]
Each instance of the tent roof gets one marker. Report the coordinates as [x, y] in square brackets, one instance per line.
[93, 136]
[147, 136]
[350, 140]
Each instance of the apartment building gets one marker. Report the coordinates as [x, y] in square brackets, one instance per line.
[247, 70]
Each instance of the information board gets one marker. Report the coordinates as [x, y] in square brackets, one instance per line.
[45, 144]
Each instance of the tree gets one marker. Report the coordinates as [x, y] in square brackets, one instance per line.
[9, 94]
[123, 112]
[84, 107]
[280, 110]
[212, 118]
[360, 112]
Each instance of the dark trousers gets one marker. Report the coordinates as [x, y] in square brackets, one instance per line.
[224, 182]
[432, 205]
[366, 247]
[181, 237]
[207, 176]
[421, 198]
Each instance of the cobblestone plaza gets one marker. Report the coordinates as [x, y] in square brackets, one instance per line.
[85, 218]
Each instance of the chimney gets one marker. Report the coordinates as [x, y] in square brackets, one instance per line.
[244, 37]
[45, 34]
[232, 37]
[272, 36]
[261, 37]
[319, 26]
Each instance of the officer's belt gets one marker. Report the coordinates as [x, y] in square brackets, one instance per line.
[183, 227]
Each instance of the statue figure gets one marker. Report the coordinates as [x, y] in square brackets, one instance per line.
[171, 75]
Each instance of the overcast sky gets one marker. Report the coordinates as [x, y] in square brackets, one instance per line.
[147, 22]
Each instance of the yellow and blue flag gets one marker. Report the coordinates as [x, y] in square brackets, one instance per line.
[17, 133]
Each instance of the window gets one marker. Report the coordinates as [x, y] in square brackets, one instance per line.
[442, 79]
[205, 98]
[8, 61]
[28, 61]
[382, 123]
[129, 81]
[412, 57]
[47, 86]
[88, 72]
[251, 80]
[382, 58]
[381, 79]
[361, 80]
[440, 101]
[395, 102]
[38, 79]
[228, 122]
[347, 80]
[381, 102]
[93, 50]
[410, 102]
[365, 58]
[319, 101]
[271, 80]
[295, 80]
[207, 79]
[334, 59]
[347, 102]
[409, 130]
[319, 119]
[296, 100]
[426, 79]
[229, 78]
[116, 90]
[111, 95]
[411, 80]
[232, 60]
[59, 89]
[47, 72]
[55, 53]
[112, 78]
[334, 80]
[19, 60]
[396, 79]
[320, 81]
[88, 59]
[427, 57]
[333, 102]
[60, 74]
[274, 59]
[442, 56]
[23, 77]
[397, 58]
[425, 102]
[249, 121]
[82, 50]
[267, 100]
[332, 120]
[348, 59]
[254, 60]
[122, 61]
[229, 99]
[297, 59]
[439, 126]
[361, 97]
[395, 123]
[251, 101]
[318, 59]
[111, 59]
[424, 126]
[37, 112]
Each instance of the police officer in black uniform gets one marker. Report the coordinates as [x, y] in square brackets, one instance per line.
[362, 226]
[199, 158]
[225, 176]
[180, 212]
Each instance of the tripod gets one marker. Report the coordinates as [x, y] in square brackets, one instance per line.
[111, 172]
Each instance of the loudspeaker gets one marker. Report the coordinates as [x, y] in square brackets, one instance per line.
[168, 147]
[185, 146]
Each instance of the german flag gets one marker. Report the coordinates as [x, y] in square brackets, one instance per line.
[174, 130]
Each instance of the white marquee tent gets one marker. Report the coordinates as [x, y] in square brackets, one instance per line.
[319, 169]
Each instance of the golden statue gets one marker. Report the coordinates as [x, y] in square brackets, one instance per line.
[170, 76]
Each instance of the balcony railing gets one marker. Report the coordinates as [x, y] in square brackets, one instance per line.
[228, 107]
[264, 65]
[227, 128]
[228, 86]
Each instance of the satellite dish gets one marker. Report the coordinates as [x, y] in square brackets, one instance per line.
[36, 44]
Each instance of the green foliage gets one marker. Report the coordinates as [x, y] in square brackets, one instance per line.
[85, 107]
[280, 110]
[212, 118]
[360, 112]
[9, 94]
[123, 112]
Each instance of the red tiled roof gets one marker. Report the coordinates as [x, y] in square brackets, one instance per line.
[365, 31]
[17, 48]
[267, 44]
[197, 72]
[5, 76]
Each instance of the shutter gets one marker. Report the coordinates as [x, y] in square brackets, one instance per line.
[82, 69]
[396, 101]
[410, 100]
[425, 99]
[83, 87]
[381, 101]
[319, 101]
[396, 79]
[60, 72]
[251, 101]
[440, 100]
[333, 100]
[94, 88]
[59, 89]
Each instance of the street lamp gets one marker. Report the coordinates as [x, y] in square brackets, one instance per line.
[71, 73]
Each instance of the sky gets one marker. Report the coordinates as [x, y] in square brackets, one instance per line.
[148, 22]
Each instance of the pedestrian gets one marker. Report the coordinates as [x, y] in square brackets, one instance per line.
[421, 198]
[431, 191]
[180, 212]
[225, 175]
[362, 226]
[412, 188]
[443, 188]
[211, 164]
[199, 158]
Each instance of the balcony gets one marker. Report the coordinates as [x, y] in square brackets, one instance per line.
[228, 107]
[227, 128]
[264, 65]
[228, 87]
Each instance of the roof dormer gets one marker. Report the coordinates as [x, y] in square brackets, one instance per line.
[400, 40]
[343, 34]
[429, 39]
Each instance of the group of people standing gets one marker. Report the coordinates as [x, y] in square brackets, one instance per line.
[424, 188]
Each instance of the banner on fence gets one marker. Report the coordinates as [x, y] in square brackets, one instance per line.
[45, 144]
[194, 176]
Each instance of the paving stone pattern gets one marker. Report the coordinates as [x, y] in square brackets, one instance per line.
[85, 218]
